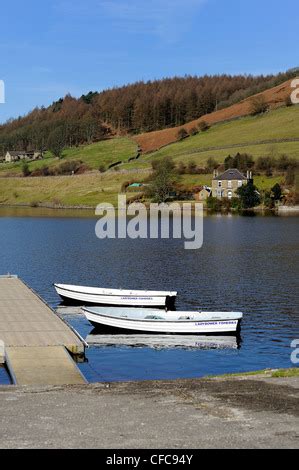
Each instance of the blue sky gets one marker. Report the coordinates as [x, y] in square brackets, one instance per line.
[51, 47]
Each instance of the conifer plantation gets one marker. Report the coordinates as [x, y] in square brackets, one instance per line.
[133, 109]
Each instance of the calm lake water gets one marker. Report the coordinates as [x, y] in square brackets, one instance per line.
[246, 263]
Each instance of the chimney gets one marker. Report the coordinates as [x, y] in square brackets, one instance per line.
[215, 173]
[248, 174]
[251, 175]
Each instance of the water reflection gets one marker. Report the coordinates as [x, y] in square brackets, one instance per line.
[162, 341]
[45, 212]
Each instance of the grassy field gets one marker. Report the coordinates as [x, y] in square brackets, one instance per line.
[200, 158]
[101, 153]
[88, 189]
[242, 135]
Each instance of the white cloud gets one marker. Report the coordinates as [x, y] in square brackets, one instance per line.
[167, 19]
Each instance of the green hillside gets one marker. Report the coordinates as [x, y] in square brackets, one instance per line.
[271, 134]
[103, 153]
[274, 133]
[91, 188]
[88, 189]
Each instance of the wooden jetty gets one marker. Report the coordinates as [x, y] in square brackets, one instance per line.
[37, 343]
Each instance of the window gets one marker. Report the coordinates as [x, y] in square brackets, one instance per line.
[219, 184]
[219, 193]
[229, 194]
[240, 183]
[229, 184]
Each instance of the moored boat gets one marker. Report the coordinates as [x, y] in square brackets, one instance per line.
[138, 319]
[119, 297]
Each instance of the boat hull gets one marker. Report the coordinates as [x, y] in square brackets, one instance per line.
[85, 297]
[174, 327]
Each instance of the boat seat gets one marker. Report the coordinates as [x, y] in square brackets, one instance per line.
[153, 317]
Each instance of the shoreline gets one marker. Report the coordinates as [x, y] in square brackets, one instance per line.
[221, 412]
[278, 211]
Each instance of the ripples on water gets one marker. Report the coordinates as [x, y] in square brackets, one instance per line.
[246, 263]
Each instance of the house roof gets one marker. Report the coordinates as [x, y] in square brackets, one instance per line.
[15, 153]
[208, 190]
[231, 174]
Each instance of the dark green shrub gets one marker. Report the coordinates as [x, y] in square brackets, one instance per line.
[25, 169]
[229, 162]
[214, 204]
[162, 181]
[235, 203]
[276, 192]
[249, 196]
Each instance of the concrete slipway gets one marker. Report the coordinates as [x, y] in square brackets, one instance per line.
[35, 340]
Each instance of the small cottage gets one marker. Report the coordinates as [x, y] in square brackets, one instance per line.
[17, 155]
[202, 193]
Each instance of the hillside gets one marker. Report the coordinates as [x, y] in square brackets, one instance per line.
[278, 129]
[103, 153]
[88, 189]
[135, 108]
[273, 133]
[274, 97]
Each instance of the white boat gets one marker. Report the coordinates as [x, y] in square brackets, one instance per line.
[138, 319]
[120, 297]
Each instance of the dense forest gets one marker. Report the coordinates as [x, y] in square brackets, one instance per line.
[136, 108]
[144, 107]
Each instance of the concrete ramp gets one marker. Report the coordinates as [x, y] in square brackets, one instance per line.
[50, 365]
[35, 338]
